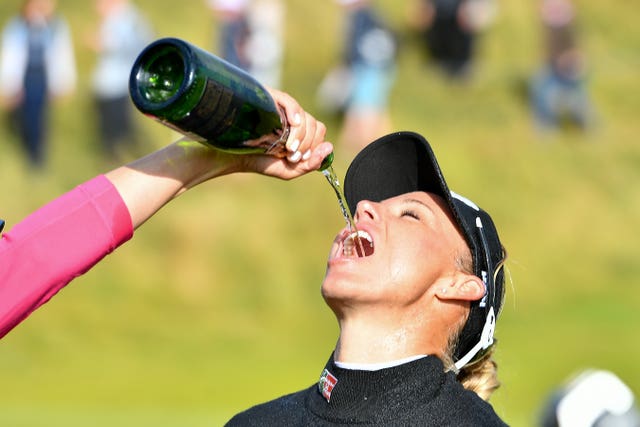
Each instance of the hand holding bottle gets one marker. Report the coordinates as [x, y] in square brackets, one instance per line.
[306, 146]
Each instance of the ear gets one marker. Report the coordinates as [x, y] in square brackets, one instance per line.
[465, 287]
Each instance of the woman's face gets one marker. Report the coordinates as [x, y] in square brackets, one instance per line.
[410, 241]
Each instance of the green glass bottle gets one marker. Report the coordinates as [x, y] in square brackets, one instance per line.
[207, 99]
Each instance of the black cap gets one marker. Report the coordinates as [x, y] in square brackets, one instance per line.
[404, 162]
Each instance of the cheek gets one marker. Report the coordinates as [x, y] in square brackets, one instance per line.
[417, 262]
[411, 270]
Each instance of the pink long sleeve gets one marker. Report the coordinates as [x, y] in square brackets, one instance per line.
[60, 241]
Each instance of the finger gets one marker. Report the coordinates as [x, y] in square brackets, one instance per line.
[315, 133]
[310, 133]
[313, 160]
[304, 139]
[283, 169]
[293, 115]
[297, 135]
[293, 111]
[318, 138]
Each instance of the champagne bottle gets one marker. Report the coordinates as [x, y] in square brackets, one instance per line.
[207, 99]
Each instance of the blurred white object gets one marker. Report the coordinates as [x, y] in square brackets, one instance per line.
[595, 398]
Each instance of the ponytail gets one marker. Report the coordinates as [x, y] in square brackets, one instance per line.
[481, 376]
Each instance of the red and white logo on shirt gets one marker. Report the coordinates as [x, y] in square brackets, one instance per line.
[327, 383]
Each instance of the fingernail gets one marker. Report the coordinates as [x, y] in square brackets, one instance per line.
[297, 119]
[295, 157]
[295, 145]
[306, 155]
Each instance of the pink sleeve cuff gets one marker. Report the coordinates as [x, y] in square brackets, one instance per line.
[57, 243]
[109, 205]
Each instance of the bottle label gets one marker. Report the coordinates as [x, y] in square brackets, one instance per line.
[226, 120]
[213, 114]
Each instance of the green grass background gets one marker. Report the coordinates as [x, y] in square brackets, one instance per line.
[215, 306]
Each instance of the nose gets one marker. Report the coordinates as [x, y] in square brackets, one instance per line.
[366, 209]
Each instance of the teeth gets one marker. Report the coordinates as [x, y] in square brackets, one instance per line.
[362, 235]
[359, 236]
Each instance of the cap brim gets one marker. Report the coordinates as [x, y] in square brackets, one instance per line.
[395, 164]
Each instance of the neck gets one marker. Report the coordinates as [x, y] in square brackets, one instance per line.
[373, 339]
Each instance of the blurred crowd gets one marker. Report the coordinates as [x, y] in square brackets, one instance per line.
[37, 63]
[38, 66]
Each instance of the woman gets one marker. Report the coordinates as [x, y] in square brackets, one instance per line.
[65, 238]
[370, 53]
[36, 63]
[121, 35]
[416, 309]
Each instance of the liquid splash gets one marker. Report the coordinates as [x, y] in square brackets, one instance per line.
[354, 242]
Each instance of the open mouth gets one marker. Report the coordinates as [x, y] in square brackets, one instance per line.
[358, 244]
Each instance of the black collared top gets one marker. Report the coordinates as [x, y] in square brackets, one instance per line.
[417, 393]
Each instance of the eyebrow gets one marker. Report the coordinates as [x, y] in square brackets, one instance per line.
[411, 200]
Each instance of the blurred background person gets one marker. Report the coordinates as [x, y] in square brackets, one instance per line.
[37, 62]
[251, 36]
[593, 398]
[123, 32]
[233, 32]
[265, 46]
[449, 29]
[558, 90]
[359, 87]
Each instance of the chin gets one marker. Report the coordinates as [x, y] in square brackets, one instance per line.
[337, 290]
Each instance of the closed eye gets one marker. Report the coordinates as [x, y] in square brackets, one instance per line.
[410, 213]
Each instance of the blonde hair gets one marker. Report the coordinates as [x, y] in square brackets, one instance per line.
[481, 375]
